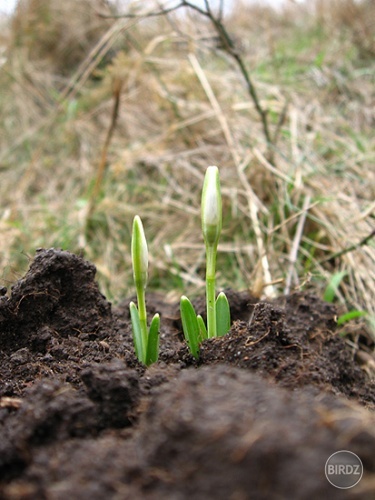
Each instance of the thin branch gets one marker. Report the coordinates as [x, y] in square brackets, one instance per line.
[349, 249]
[295, 246]
[184, 3]
[221, 10]
[208, 7]
[117, 85]
[161, 12]
[280, 122]
[228, 46]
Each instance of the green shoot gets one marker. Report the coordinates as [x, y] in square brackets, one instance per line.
[344, 318]
[333, 285]
[146, 341]
[190, 325]
[153, 341]
[349, 316]
[330, 294]
[218, 312]
[222, 315]
[202, 328]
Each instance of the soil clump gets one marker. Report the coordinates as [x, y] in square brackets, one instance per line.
[256, 417]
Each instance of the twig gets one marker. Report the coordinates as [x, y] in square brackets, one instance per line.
[249, 343]
[221, 9]
[117, 84]
[353, 247]
[137, 15]
[280, 122]
[295, 246]
[228, 46]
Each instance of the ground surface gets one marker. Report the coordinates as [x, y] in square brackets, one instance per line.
[257, 416]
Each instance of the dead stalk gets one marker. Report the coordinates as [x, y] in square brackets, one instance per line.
[102, 167]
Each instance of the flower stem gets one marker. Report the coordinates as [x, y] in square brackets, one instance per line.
[210, 289]
[143, 320]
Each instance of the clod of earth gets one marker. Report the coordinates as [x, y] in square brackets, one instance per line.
[257, 415]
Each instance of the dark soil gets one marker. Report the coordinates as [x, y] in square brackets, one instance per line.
[255, 418]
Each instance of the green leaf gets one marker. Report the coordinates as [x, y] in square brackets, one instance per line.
[202, 329]
[153, 341]
[333, 286]
[222, 315]
[137, 333]
[190, 325]
[344, 318]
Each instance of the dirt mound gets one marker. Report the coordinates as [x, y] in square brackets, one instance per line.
[256, 417]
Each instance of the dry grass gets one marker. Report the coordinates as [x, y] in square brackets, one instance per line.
[183, 107]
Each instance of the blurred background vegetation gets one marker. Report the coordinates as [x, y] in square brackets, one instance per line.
[105, 116]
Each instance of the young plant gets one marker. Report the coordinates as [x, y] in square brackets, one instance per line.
[218, 313]
[146, 340]
[333, 286]
[330, 294]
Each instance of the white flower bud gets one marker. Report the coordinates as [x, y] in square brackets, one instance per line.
[211, 207]
[139, 254]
